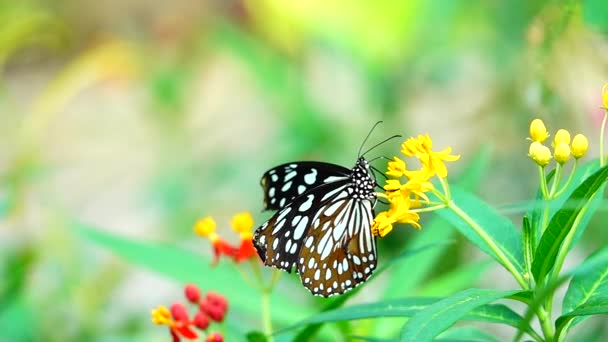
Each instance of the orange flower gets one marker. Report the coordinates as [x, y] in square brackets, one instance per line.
[206, 228]
[242, 223]
[176, 320]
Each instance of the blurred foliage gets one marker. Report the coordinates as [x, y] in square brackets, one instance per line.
[136, 118]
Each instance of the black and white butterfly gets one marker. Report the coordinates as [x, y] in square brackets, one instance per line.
[323, 226]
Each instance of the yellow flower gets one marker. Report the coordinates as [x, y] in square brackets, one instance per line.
[562, 135]
[605, 96]
[161, 316]
[579, 146]
[206, 228]
[538, 131]
[432, 162]
[396, 168]
[414, 186]
[539, 153]
[399, 212]
[562, 152]
[242, 224]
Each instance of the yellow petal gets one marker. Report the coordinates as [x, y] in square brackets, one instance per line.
[579, 146]
[242, 222]
[538, 131]
[205, 227]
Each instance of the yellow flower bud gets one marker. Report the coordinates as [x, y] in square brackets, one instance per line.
[538, 131]
[539, 153]
[562, 135]
[605, 96]
[242, 224]
[562, 152]
[579, 146]
[205, 227]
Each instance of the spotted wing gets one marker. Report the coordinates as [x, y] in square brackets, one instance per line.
[285, 182]
[339, 252]
[326, 234]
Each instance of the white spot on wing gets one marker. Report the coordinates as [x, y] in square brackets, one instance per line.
[311, 177]
[307, 204]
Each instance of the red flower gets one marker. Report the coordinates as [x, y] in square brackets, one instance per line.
[214, 337]
[246, 250]
[176, 320]
[193, 294]
[206, 228]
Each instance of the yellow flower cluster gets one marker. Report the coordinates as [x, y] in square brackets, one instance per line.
[562, 146]
[405, 191]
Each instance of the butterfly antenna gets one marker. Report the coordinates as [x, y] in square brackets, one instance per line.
[367, 137]
[379, 157]
[381, 174]
[380, 143]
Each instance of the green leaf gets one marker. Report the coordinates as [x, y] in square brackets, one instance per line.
[499, 228]
[528, 243]
[562, 222]
[187, 267]
[584, 289]
[405, 278]
[311, 329]
[256, 336]
[437, 317]
[584, 310]
[590, 286]
[459, 279]
[406, 307]
[533, 303]
[469, 334]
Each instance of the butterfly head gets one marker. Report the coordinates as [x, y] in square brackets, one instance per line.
[363, 180]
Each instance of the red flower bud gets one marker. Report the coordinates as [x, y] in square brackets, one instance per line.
[217, 300]
[214, 337]
[179, 312]
[216, 313]
[192, 292]
[201, 320]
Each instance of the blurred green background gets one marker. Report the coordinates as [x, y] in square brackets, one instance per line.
[122, 122]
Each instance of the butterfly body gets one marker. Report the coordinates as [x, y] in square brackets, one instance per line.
[322, 227]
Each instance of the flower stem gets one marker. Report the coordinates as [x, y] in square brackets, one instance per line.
[427, 209]
[565, 186]
[490, 243]
[446, 188]
[266, 317]
[556, 179]
[543, 182]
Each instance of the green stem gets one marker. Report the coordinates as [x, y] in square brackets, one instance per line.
[446, 188]
[545, 323]
[543, 182]
[561, 191]
[427, 209]
[556, 179]
[490, 243]
[266, 316]
[602, 129]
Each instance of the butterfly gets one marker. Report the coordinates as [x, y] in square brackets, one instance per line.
[323, 223]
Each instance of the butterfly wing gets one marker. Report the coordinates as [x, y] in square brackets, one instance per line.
[326, 234]
[340, 249]
[285, 182]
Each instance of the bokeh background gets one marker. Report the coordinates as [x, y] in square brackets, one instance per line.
[134, 118]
